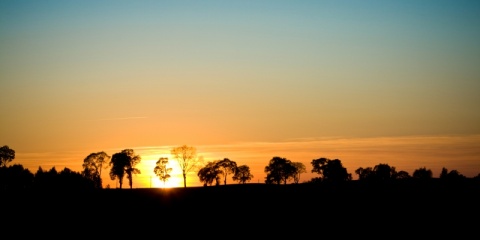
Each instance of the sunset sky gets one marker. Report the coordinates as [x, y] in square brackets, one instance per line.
[366, 82]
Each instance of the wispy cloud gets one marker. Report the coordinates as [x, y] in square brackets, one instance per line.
[407, 153]
[459, 152]
[119, 118]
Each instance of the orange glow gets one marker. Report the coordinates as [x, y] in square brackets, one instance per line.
[455, 152]
[148, 177]
[237, 82]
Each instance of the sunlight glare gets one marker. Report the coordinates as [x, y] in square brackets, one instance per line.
[148, 178]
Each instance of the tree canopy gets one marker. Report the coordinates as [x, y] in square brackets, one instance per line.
[242, 174]
[226, 167]
[93, 165]
[123, 163]
[161, 170]
[279, 170]
[330, 170]
[187, 159]
[6, 155]
[209, 173]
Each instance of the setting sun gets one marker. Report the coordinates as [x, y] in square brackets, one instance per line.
[148, 177]
[174, 181]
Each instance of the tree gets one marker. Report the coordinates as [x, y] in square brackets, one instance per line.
[364, 173]
[299, 169]
[242, 174]
[6, 155]
[443, 173]
[279, 170]
[422, 173]
[72, 180]
[453, 175]
[330, 170]
[186, 157]
[117, 170]
[227, 166]
[402, 175]
[477, 177]
[380, 173]
[46, 179]
[124, 163]
[384, 172]
[92, 167]
[209, 173]
[15, 177]
[161, 170]
[130, 169]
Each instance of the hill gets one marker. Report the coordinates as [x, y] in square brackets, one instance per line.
[431, 205]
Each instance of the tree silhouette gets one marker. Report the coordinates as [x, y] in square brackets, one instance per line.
[330, 170]
[124, 163]
[365, 173]
[209, 173]
[92, 167]
[72, 180]
[242, 174]
[381, 173]
[477, 177]
[133, 161]
[161, 170]
[186, 157]
[227, 166]
[422, 173]
[46, 179]
[279, 170]
[402, 175]
[453, 175]
[299, 169]
[6, 155]
[15, 177]
[443, 173]
[384, 172]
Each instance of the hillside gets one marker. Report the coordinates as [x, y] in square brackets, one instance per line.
[354, 204]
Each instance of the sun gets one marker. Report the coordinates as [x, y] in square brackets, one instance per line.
[148, 179]
[173, 181]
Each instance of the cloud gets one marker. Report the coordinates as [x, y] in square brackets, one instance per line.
[407, 153]
[119, 118]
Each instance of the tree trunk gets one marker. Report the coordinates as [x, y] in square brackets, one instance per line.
[184, 180]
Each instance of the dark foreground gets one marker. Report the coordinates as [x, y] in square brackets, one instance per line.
[354, 209]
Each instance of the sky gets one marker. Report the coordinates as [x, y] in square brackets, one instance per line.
[366, 82]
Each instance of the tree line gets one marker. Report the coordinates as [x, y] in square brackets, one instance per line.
[122, 165]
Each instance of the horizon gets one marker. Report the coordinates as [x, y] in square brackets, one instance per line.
[368, 82]
[406, 153]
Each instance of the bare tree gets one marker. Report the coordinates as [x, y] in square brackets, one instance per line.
[186, 157]
[300, 168]
[161, 170]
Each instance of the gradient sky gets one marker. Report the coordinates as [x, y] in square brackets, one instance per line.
[367, 82]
